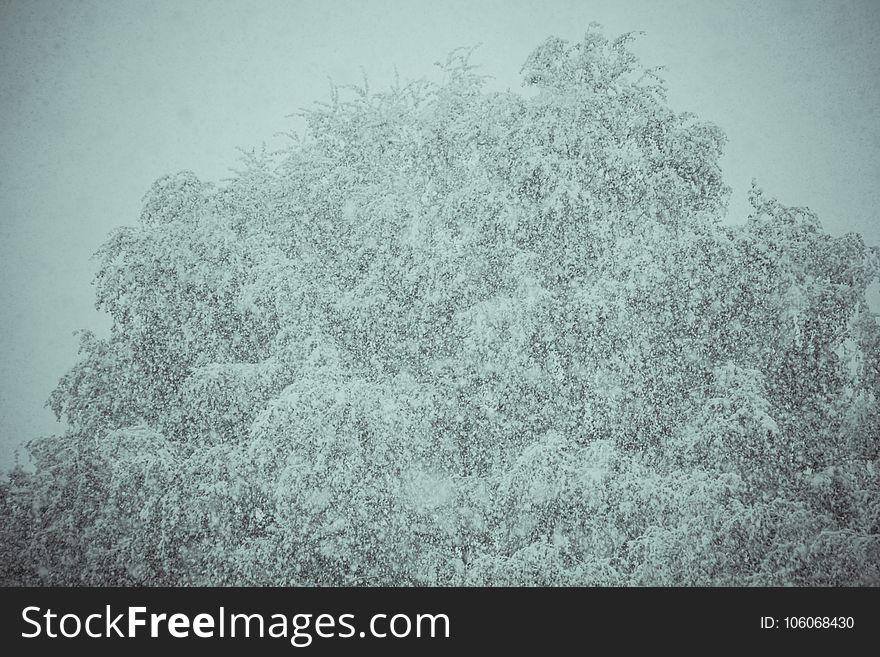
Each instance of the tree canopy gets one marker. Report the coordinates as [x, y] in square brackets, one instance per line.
[453, 336]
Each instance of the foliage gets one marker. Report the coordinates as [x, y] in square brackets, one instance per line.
[460, 337]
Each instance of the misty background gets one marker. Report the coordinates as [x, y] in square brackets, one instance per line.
[98, 99]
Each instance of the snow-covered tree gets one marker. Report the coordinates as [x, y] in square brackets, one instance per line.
[449, 336]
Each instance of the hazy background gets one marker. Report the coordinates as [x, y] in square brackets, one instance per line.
[98, 99]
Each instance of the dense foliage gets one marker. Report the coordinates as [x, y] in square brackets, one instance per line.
[451, 336]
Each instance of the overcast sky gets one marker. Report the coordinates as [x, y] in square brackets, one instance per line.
[98, 99]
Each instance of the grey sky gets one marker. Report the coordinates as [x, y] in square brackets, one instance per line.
[98, 99]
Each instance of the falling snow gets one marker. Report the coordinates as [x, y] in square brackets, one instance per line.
[449, 336]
